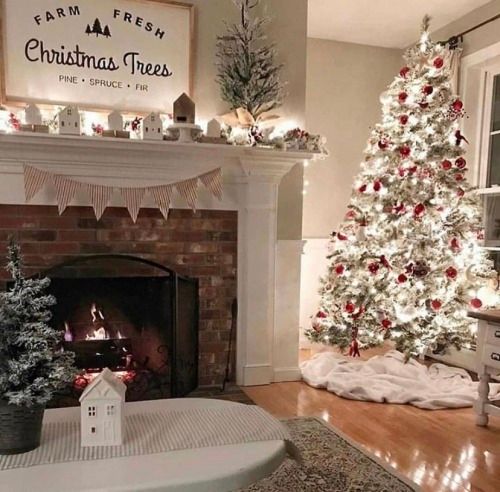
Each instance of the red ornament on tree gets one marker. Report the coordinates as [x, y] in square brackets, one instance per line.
[423, 104]
[436, 305]
[419, 210]
[373, 268]
[387, 324]
[405, 151]
[362, 188]
[451, 273]
[428, 90]
[455, 244]
[377, 186]
[404, 72]
[402, 97]
[402, 278]
[321, 315]
[342, 237]
[460, 192]
[476, 303]
[457, 106]
[438, 63]
[399, 209]
[350, 307]
[403, 119]
[461, 163]
[339, 269]
[459, 177]
[384, 262]
[446, 165]
[383, 144]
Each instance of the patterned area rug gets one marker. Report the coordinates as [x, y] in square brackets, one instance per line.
[331, 463]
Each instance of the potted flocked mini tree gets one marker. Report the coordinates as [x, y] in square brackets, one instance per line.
[32, 365]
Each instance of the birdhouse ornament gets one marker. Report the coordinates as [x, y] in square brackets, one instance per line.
[102, 411]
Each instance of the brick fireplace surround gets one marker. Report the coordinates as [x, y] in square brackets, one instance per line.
[202, 245]
[231, 246]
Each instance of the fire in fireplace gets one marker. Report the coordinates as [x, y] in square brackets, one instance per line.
[137, 318]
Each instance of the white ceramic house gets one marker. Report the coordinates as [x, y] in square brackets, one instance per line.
[115, 121]
[102, 411]
[32, 115]
[152, 127]
[69, 121]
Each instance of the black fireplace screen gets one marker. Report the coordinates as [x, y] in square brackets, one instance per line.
[137, 318]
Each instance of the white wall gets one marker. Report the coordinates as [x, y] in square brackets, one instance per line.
[344, 82]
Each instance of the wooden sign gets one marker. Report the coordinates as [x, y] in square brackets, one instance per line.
[132, 55]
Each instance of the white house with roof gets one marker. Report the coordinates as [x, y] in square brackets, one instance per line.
[102, 411]
[152, 127]
[68, 120]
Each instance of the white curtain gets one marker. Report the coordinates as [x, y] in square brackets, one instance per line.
[453, 57]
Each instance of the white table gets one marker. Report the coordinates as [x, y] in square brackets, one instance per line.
[217, 469]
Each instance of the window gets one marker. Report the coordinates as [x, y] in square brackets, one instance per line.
[93, 430]
[110, 410]
[92, 411]
[70, 112]
[490, 164]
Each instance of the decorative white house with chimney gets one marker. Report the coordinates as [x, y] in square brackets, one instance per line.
[102, 411]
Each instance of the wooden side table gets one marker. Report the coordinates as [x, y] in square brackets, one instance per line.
[488, 361]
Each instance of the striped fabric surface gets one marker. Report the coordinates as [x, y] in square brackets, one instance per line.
[160, 432]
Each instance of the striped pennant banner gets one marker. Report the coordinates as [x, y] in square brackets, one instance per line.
[213, 182]
[34, 180]
[66, 190]
[162, 195]
[100, 196]
[189, 191]
[133, 199]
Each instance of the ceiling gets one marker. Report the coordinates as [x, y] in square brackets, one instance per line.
[388, 23]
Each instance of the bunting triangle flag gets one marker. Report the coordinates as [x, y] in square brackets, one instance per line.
[34, 180]
[66, 190]
[133, 200]
[100, 196]
[189, 191]
[213, 182]
[162, 195]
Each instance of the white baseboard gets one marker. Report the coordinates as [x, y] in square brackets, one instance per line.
[256, 375]
[284, 374]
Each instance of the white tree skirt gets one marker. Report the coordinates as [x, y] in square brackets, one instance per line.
[388, 379]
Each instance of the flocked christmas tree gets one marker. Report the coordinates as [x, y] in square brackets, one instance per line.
[406, 263]
[248, 74]
[32, 365]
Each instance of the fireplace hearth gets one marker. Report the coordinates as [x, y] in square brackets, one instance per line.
[134, 316]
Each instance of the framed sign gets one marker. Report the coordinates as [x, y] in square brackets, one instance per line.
[131, 55]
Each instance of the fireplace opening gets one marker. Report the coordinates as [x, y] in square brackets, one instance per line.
[136, 317]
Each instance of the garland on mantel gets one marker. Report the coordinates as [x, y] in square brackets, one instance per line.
[100, 195]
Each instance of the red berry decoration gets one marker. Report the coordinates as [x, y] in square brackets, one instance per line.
[402, 278]
[455, 244]
[321, 315]
[460, 192]
[403, 119]
[438, 63]
[373, 268]
[428, 90]
[404, 72]
[451, 273]
[446, 165]
[383, 144]
[362, 188]
[461, 163]
[342, 237]
[457, 106]
[405, 151]
[350, 307]
[387, 324]
[377, 186]
[476, 303]
[423, 105]
[419, 210]
[459, 177]
[436, 305]
[402, 97]
[339, 269]
[350, 215]
[399, 209]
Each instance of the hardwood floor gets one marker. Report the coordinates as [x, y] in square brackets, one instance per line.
[440, 450]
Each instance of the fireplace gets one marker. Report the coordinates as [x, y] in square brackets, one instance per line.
[134, 316]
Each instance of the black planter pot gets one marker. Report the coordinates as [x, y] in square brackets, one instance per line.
[20, 428]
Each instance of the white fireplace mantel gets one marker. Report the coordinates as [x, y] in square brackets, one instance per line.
[267, 343]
